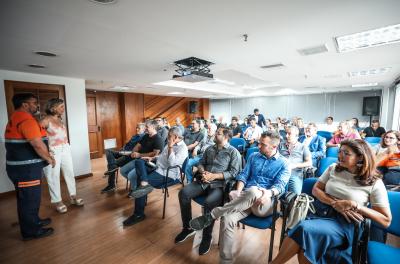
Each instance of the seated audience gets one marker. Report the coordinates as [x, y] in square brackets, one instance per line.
[198, 151]
[374, 130]
[116, 159]
[299, 157]
[328, 126]
[219, 164]
[355, 124]
[347, 192]
[236, 129]
[344, 132]
[269, 126]
[265, 175]
[283, 130]
[150, 145]
[260, 120]
[162, 130]
[194, 136]
[300, 125]
[315, 143]
[389, 165]
[252, 134]
[174, 153]
[389, 138]
[203, 128]
[179, 125]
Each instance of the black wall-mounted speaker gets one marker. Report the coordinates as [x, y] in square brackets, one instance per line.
[193, 105]
[371, 105]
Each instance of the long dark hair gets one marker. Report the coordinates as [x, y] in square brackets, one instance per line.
[394, 132]
[366, 174]
[53, 102]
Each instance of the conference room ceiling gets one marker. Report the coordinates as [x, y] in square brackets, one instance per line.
[133, 44]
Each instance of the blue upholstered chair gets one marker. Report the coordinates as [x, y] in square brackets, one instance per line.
[264, 223]
[238, 143]
[324, 164]
[325, 134]
[250, 151]
[332, 152]
[372, 140]
[382, 253]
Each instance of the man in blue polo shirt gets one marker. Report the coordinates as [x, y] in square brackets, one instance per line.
[265, 175]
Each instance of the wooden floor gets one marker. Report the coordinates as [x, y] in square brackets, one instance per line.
[94, 233]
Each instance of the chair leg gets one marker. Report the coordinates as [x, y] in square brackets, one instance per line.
[116, 177]
[165, 203]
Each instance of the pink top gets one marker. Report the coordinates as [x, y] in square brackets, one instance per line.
[339, 137]
[57, 135]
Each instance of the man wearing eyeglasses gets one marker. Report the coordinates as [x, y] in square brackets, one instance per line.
[265, 175]
[26, 156]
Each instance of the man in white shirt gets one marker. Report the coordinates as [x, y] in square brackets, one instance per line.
[328, 126]
[173, 154]
[252, 134]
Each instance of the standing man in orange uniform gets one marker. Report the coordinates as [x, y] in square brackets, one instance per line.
[26, 155]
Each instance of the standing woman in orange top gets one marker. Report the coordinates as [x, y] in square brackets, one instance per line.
[58, 144]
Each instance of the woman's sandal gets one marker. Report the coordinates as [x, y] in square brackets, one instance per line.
[62, 208]
[77, 201]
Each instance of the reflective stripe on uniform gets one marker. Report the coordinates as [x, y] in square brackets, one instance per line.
[28, 183]
[23, 162]
[8, 140]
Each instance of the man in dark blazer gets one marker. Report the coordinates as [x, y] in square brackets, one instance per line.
[259, 118]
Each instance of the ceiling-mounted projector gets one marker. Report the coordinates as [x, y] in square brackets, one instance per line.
[192, 70]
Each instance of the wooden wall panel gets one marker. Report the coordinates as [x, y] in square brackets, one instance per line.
[110, 116]
[133, 113]
[172, 107]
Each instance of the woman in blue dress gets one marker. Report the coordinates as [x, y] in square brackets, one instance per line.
[343, 193]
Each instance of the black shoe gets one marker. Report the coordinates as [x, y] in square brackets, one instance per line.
[182, 236]
[44, 222]
[205, 245]
[109, 188]
[111, 171]
[133, 219]
[142, 191]
[43, 232]
[201, 222]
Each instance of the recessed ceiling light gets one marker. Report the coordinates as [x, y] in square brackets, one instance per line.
[175, 93]
[369, 72]
[104, 2]
[123, 88]
[37, 66]
[364, 85]
[45, 53]
[313, 50]
[368, 39]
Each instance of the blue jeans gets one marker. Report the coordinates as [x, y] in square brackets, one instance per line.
[189, 167]
[128, 171]
[156, 180]
[392, 177]
[295, 183]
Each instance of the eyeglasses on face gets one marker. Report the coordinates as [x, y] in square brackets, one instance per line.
[389, 137]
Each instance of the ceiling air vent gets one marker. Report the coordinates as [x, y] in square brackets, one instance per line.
[272, 66]
[313, 50]
[38, 66]
[45, 53]
[104, 2]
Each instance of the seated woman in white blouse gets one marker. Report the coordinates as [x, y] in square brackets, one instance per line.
[343, 193]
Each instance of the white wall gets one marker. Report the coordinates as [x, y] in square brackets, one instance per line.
[396, 109]
[75, 97]
[312, 107]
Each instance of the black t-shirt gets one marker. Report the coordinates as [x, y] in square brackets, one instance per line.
[369, 132]
[149, 144]
[236, 130]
